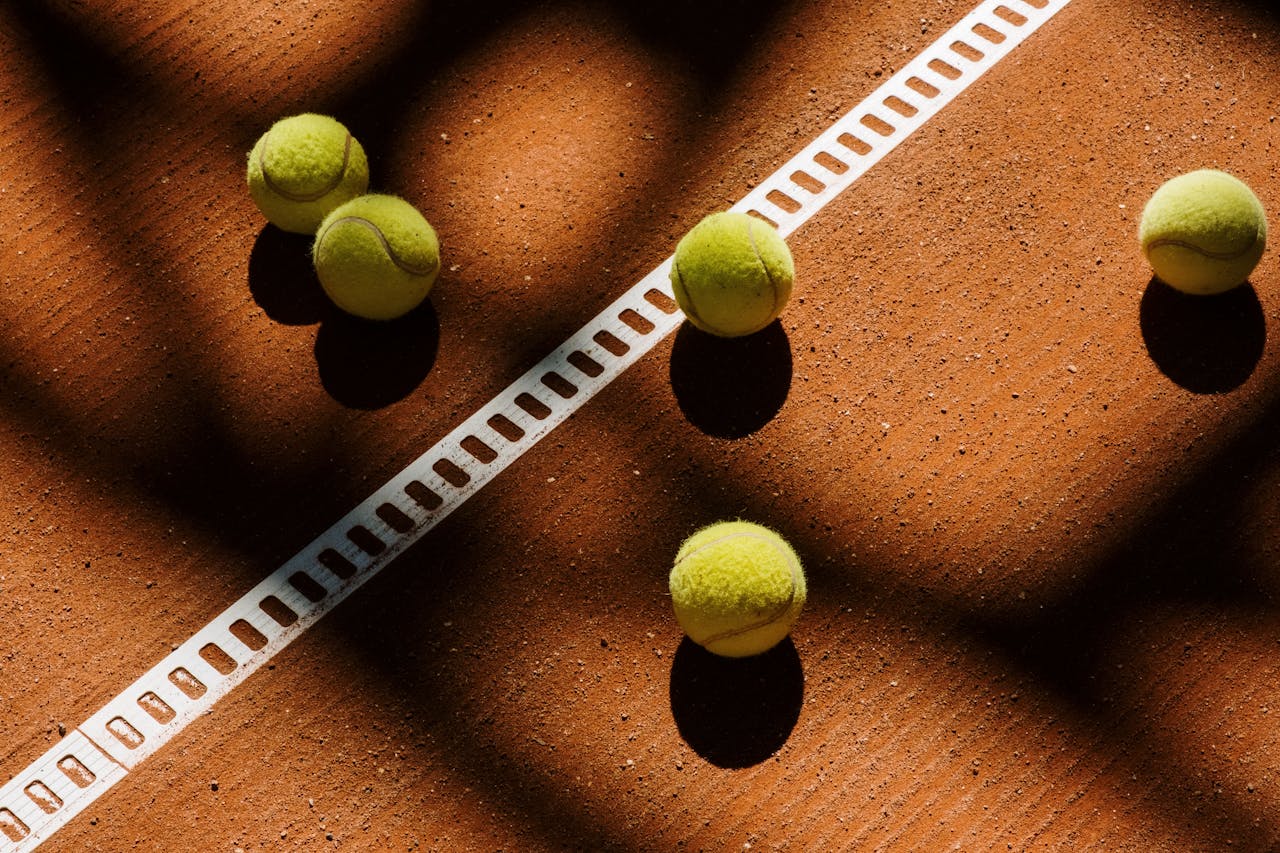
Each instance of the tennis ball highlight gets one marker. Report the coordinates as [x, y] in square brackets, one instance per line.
[732, 274]
[302, 168]
[376, 257]
[1203, 232]
[737, 588]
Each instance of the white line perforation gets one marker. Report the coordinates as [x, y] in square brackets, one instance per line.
[91, 758]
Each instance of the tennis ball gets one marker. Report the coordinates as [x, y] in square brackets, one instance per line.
[737, 588]
[1203, 232]
[304, 167]
[376, 257]
[732, 274]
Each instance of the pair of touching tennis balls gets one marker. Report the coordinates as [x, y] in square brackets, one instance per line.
[375, 255]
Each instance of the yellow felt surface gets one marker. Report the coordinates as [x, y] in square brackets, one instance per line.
[737, 588]
[732, 274]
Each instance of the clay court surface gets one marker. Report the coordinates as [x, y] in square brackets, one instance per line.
[1035, 492]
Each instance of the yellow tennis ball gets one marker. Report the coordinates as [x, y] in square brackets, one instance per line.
[304, 167]
[376, 257]
[1203, 232]
[737, 588]
[732, 274]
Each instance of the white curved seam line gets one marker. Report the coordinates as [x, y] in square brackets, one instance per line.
[333, 184]
[793, 568]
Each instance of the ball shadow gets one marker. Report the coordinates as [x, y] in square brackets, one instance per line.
[368, 364]
[731, 387]
[736, 712]
[1206, 344]
[282, 280]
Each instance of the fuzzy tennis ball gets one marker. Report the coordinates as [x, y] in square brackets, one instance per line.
[376, 257]
[1203, 232]
[732, 274]
[737, 588]
[304, 167]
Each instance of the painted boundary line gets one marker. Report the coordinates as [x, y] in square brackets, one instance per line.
[44, 797]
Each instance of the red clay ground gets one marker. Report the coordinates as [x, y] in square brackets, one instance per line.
[1036, 493]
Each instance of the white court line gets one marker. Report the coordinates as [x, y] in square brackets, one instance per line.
[148, 713]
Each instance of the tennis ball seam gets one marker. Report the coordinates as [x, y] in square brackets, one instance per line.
[693, 308]
[779, 612]
[1217, 256]
[386, 246]
[291, 196]
[773, 287]
[774, 290]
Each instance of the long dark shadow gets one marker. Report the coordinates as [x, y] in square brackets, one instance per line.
[1187, 553]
